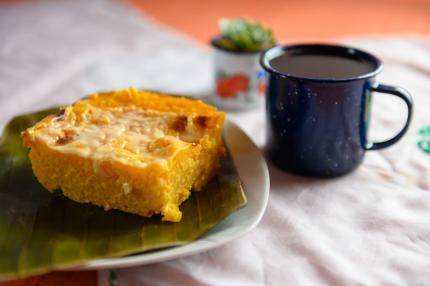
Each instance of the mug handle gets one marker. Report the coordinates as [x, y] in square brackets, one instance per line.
[406, 97]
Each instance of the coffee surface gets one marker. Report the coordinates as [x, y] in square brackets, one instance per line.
[321, 66]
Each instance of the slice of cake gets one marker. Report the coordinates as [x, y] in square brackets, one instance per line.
[131, 150]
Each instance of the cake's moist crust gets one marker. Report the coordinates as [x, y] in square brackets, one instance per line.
[131, 150]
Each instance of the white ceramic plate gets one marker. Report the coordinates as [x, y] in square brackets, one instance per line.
[255, 178]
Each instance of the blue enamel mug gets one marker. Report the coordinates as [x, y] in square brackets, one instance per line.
[317, 126]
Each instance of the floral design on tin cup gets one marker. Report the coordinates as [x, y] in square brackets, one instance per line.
[228, 86]
[261, 76]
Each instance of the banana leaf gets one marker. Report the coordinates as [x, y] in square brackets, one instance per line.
[42, 231]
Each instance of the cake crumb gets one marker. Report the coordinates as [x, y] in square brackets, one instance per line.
[126, 188]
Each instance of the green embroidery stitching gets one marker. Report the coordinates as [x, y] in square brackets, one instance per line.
[424, 142]
[113, 278]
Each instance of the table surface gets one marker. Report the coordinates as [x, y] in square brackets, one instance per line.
[111, 64]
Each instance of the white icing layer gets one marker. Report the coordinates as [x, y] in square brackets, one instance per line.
[126, 134]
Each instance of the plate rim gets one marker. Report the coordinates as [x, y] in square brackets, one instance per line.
[204, 243]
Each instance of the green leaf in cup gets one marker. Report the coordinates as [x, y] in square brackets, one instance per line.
[244, 35]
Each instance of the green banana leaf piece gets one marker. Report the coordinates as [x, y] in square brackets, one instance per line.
[42, 231]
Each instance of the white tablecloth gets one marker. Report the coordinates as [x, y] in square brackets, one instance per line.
[371, 227]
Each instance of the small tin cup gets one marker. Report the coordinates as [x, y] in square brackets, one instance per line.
[239, 78]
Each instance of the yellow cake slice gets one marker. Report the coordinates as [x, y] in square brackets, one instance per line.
[131, 150]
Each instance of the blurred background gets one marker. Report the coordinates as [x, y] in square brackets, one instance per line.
[295, 20]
